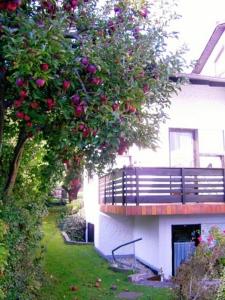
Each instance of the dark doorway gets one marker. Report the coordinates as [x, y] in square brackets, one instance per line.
[90, 228]
[184, 241]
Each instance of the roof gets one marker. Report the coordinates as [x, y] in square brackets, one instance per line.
[216, 35]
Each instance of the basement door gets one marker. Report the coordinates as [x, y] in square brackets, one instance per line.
[184, 241]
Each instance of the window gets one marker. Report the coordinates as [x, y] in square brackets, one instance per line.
[211, 148]
[211, 141]
[211, 161]
[182, 148]
[196, 148]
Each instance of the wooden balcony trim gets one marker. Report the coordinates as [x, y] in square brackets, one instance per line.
[165, 209]
[148, 185]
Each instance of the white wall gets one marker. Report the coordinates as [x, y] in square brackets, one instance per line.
[155, 231]
[147, 228]
[90, 195]
[112, 231]
[165, 234]
[195, 107]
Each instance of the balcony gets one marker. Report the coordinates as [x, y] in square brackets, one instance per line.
[163, 189]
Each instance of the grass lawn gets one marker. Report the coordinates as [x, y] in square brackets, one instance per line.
[80, 266]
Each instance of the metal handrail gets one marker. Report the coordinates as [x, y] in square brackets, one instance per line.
[128, 243]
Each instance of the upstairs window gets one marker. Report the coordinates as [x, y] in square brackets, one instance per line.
[182, 148]
[211, 148]
[196, 148]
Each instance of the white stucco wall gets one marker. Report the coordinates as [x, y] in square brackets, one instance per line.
[195, 107]
[90, 195]
[147, 228]
[112, 231]
[165, 234]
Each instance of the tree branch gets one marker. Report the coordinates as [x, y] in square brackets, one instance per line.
[81, 83]
[2, 113]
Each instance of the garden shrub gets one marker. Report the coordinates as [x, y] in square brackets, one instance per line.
[22, 277]
[3, 254]
[194, 278]
[221, 290]
[22, 215]
[75, 226]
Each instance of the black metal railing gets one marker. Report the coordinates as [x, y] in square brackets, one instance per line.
[122, 263]
[162, 185]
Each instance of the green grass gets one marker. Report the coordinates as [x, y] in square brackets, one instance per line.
[67, 265]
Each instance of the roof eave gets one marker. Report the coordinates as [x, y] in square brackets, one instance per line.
[200, 79]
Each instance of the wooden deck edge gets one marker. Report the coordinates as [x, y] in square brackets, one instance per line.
[165, 209]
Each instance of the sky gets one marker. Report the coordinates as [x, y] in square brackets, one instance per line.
[197, 23]
[199, 19]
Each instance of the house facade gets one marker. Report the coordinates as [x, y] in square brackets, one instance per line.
[169, 197]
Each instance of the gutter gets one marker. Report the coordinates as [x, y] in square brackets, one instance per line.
[199, 79]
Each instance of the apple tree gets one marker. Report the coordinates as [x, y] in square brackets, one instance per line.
[90, 82]
[79, 84]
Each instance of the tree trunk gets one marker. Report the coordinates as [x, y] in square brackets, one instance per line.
[2, 110]
[14, 166]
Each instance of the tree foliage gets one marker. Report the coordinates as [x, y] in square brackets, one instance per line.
[89, 83]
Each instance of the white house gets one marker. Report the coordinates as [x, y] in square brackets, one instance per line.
[170, 196]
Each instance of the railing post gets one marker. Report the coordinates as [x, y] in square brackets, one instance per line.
[182, 186]
[224, 184]
[113, 184]
[137, 186]
[104, 201]
[123, 187]
[99, 192]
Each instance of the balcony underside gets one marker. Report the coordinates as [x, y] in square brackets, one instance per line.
[164, 209]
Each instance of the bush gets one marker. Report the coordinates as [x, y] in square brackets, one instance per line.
[22, 276]
[75, 226]
[194, 278]
[3, 254]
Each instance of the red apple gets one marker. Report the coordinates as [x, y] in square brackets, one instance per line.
[66, 84]
[18, 103]
[40, 82]
[86, 132]
[103, 99]
[81, 127]
[11, 6]
[74, 3]
[91, 69]
[23, 93]
[26, 118]
[79, 110]
[50, 103]
[20, 82]
[85, 61]
[34, 105]
[75, 99]
[96, 80]
[44, 67]
[20, 114]
[73, 288]
[115, 106]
